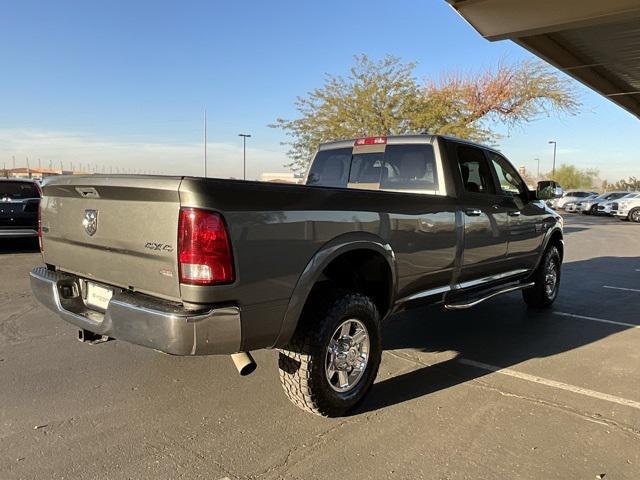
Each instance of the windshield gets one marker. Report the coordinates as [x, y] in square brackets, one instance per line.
[615, 196]
[18, 190]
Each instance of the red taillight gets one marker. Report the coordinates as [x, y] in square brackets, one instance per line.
[204, 250]
[371, 141]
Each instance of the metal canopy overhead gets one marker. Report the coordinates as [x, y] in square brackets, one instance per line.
[595, 41]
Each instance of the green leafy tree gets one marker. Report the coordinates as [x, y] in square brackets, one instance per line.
[632, 184]
[377, 98]
[384, 98]
[570, 177]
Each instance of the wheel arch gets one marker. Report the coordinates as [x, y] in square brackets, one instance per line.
[345, 250]
[556, 238]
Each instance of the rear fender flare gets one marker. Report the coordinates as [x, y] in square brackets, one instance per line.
[321, 259]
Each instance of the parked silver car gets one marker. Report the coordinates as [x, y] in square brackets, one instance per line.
[570, 196]
[589, 206]
[628, 208]
[577, 206]
[610, 207]
[570, 207]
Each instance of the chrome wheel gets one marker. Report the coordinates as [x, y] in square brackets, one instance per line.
[551, 278]
[347, 355]
[635, 216]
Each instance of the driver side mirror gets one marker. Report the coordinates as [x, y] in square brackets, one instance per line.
[548, 189]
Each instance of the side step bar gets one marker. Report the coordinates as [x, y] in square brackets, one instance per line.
[476, 301]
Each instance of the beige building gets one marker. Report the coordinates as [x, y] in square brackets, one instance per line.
[280, 177]
[34, 173]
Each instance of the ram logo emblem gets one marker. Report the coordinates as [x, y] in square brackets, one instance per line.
[90, 222]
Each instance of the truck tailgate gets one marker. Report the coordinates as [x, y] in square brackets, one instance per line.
[118, 230]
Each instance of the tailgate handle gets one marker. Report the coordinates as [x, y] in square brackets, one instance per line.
[87, 192]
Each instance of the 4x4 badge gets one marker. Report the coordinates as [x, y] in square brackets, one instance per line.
[90, 222]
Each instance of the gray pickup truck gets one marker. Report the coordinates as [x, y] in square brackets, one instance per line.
[200, 266]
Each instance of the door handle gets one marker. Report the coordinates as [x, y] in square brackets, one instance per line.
[514, 213]
[473, 212]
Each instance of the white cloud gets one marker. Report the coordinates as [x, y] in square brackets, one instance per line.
[224, 160]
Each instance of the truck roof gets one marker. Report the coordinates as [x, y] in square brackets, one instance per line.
[12, 179]
[400, 139]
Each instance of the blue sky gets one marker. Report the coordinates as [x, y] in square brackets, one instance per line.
[124, 84]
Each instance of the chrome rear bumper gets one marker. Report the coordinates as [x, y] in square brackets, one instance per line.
[140, 319]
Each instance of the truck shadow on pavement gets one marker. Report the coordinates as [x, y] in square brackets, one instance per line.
[502, 332]
[18, 245]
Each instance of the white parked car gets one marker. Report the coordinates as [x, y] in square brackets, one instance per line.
[570, 196]
[589, 206]
[604, 208]
[628, 207]
[608, 208]
[579, 205]
[571, 207]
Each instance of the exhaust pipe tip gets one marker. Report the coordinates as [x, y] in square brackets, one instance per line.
[244, 363]
[85, 336]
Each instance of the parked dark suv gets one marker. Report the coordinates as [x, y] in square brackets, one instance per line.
[19, 202]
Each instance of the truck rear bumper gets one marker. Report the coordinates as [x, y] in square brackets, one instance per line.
[140, 319]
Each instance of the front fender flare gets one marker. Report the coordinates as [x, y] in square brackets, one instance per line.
[547, 238]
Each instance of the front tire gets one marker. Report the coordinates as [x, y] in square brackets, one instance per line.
[333, 358]
[634, 215]
[547, 280]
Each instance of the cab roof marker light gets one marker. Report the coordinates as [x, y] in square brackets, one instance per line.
[370, 141]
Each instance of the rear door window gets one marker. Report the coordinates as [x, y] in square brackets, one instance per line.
[18, 190]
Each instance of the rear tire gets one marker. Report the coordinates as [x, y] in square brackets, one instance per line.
[547, 280]
[326, 369]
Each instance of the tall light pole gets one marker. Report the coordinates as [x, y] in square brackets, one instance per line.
[205, 143]
[538, 175]
[555, 144]
[244, 152]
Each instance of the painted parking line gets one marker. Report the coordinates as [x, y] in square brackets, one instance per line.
[622, 288]
[552, 383]
[594, 319]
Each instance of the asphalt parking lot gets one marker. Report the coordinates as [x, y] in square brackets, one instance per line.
[497, 392]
